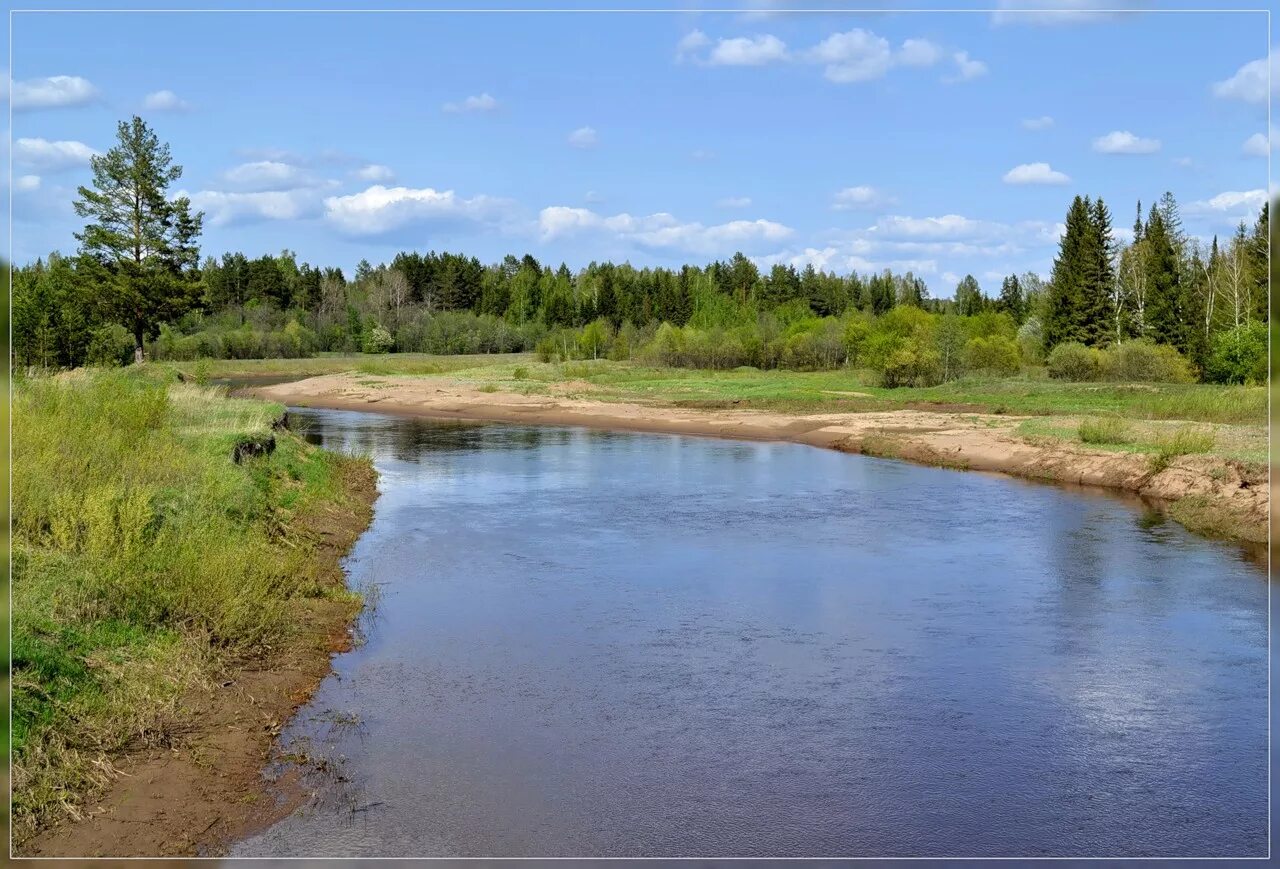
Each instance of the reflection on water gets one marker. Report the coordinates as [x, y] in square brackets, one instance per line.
[592, 643]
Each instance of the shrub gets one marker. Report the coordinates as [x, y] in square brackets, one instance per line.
[521, 373]
[1239, 355]
[1031, 340]
[911, 364]
[1105, 430]
[1143, 361]
[997, 354]
[377, 340]
[1073, 361]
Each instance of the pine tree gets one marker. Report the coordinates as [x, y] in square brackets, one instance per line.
[141, 245]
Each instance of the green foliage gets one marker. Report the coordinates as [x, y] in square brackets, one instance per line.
[1105, 430]
[997, 354]
[1141, 361]
[109, 344]
[1239, 356]
[377, 340]
[1075, 362]
[141, 553]
[1184, 441]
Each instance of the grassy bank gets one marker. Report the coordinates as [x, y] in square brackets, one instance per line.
[843, 391]
[147, 562]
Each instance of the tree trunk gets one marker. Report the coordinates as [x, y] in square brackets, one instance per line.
[137, 342]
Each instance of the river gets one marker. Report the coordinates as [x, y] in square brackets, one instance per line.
[586, 643]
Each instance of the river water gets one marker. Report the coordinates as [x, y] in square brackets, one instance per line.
[586, 643]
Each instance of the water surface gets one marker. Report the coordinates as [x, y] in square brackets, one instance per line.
[592, 643]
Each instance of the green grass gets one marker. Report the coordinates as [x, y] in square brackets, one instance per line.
[1105, 430]
[143, 559]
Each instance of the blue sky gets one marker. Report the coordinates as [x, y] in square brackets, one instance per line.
[943, 143]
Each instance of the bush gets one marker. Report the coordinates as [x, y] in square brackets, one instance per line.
[997, 354]
[1073, 361]
[1031, 340]
[1239, 355]
[1142, 361]
[1105, 430]
[911, 364]
[377, 340]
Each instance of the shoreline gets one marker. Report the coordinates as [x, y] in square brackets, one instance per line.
[1211, 496]
[197, 796]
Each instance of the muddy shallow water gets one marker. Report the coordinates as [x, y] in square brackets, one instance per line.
[593, 643]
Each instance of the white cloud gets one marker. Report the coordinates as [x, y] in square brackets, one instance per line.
[836, 259]
[270, 175]
[374, 172]
[1184, 162]
[1052, 12]
[53, 92]
[1230, 201]
[690, 44]
[223, 207]
[1257, 145]
[1124, 142]
[26, 183]
[661, 230]
[858, 55]
[1249, 83]
[748, 51]
[1035, 173]
[380, 209]
[51, 156]
[918, 52]
[591, 197]
[856, 198]
[480, 103]
[967, 69]
[165, 101]
[734, 202]
[946, 226]
[583, 137]
[1043, 122]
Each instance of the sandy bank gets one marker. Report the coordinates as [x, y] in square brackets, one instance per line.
[1206, 493]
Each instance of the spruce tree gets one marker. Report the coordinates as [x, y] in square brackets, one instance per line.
[1011, 301]
[1063, 314]
[1097, 303]
[1168, 314]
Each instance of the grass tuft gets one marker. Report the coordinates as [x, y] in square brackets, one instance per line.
[1105, 430]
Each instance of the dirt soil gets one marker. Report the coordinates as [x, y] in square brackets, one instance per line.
[207, 790]
[1231, 499]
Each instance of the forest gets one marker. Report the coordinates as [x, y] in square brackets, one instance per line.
[1160, 306]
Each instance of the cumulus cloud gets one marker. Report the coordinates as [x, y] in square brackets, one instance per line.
[26, 183]
[918, 52]
[374, 172]
[378, 209]
[661, 230]
[1035, 173]
[748, 51]
[859, 198]
[480, 103]
[967, 69]
[227, 207]
[1124, 142]
[583, 138]
[1257, 145]
[858, 55]
[1232, 201]
[51, 156]
[690, 44]
[53, 92]
[1043, 122]
[1250, 82]
[734, 202]
[165, 101]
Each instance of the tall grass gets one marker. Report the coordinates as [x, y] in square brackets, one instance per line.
[142, 557]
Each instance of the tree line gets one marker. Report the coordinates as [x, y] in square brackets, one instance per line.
[136, 286]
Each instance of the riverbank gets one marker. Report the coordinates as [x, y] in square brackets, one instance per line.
[172, 607]
[1208, 489]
